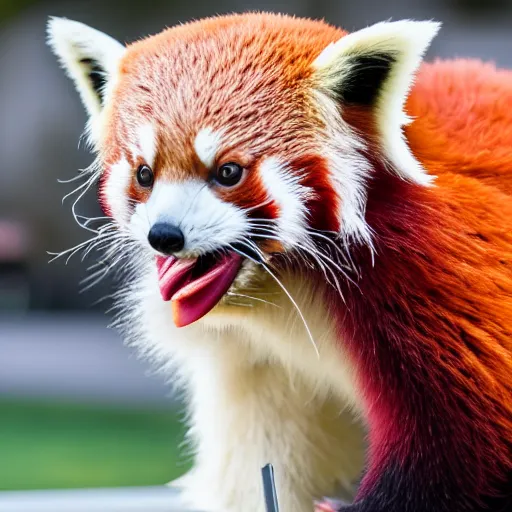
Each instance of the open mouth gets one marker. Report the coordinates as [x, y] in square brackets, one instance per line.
[195, 286]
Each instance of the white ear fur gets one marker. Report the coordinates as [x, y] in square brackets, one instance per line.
[400, 46]
[90, 58]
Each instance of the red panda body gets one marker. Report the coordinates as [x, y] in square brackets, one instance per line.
[428, 328]
[286, 143]
[430, 322]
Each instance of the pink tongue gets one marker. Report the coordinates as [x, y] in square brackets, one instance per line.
[191, 298]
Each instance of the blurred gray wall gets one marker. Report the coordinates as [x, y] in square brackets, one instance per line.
[75, 357]
[41, 117]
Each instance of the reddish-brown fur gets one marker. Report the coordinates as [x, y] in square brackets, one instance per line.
[430, 327]
[237, 71]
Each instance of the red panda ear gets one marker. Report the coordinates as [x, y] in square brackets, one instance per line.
[375, 68]
[91, 58]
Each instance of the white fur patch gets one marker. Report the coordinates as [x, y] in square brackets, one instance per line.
[407, 41]
[206, 145]
[258, 394]
[116, 189]
[146, 144]
[284, 187]
[140, 223]
[207, 222]
[74, 43]
[348, 171]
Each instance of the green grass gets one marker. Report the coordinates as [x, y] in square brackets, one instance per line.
[54, 445]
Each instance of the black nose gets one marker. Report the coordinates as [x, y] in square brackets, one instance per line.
[166, 238]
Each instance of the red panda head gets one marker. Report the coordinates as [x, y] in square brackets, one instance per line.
[228, 140]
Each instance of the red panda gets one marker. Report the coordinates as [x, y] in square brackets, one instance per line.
[322, 250]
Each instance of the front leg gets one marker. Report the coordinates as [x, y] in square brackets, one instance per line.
[245, 415]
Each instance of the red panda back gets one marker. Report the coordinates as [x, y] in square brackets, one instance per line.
[462, 112]
[462, 132]
[444, 266]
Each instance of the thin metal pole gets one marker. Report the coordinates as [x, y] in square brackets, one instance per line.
[269, 488]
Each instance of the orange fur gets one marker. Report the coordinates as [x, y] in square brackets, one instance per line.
[463, 121]
[236, 73]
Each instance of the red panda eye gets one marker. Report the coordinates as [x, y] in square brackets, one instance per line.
[145, 176]
[228, 175]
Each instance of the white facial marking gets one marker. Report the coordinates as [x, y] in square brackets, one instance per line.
[116, 189]
[147, 143]
[349, 171]
[207, 222]
[206, 145]
[140, 223]
[285, 189]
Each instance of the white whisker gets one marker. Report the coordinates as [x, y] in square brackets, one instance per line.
[259, 205]
[253, 298]
[255, 248]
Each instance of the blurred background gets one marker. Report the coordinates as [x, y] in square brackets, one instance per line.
[77, 409]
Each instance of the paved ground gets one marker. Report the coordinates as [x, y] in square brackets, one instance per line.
[143, 499]
[74, 357]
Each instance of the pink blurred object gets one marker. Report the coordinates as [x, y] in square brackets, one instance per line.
[13, 241]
